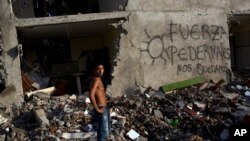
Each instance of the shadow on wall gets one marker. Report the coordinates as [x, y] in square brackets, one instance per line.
[13, 52]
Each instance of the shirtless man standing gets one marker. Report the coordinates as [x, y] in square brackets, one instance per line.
[99, 102]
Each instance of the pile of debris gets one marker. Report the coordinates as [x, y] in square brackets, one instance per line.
[204, 111]
[46, 117]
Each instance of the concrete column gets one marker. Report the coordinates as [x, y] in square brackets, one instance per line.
[11, 58]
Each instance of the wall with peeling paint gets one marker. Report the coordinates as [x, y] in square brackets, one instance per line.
[173, 40]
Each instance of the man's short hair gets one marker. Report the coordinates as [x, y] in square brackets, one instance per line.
[95, 64]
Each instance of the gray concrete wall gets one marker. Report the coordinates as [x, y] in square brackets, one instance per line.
[177, 5]
[174, 40]
[165, 47]
[10, 54]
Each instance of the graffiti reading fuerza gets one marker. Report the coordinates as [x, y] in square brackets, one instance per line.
[213, 51]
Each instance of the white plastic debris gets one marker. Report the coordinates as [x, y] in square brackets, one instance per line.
[86, 113]
[87, 100]
[7, 129]
[113, 114]
[247, 93]
[132, 134]
[239, 87]
[148, 96]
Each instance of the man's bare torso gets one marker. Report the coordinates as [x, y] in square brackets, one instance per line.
[100, 94]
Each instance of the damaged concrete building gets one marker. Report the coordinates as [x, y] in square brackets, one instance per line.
[141, 42]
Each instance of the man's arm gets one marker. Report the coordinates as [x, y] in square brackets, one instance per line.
[92, 95]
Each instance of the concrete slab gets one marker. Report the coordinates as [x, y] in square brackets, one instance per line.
[9, 96]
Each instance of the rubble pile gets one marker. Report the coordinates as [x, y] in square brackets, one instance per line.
[206, 111]
[42, 118]
[201, 112]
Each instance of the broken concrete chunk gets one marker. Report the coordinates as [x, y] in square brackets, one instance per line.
[9, 96]
[230, 96]
[158, 113]
[181, 104]
[41, 115]
[200, 105]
